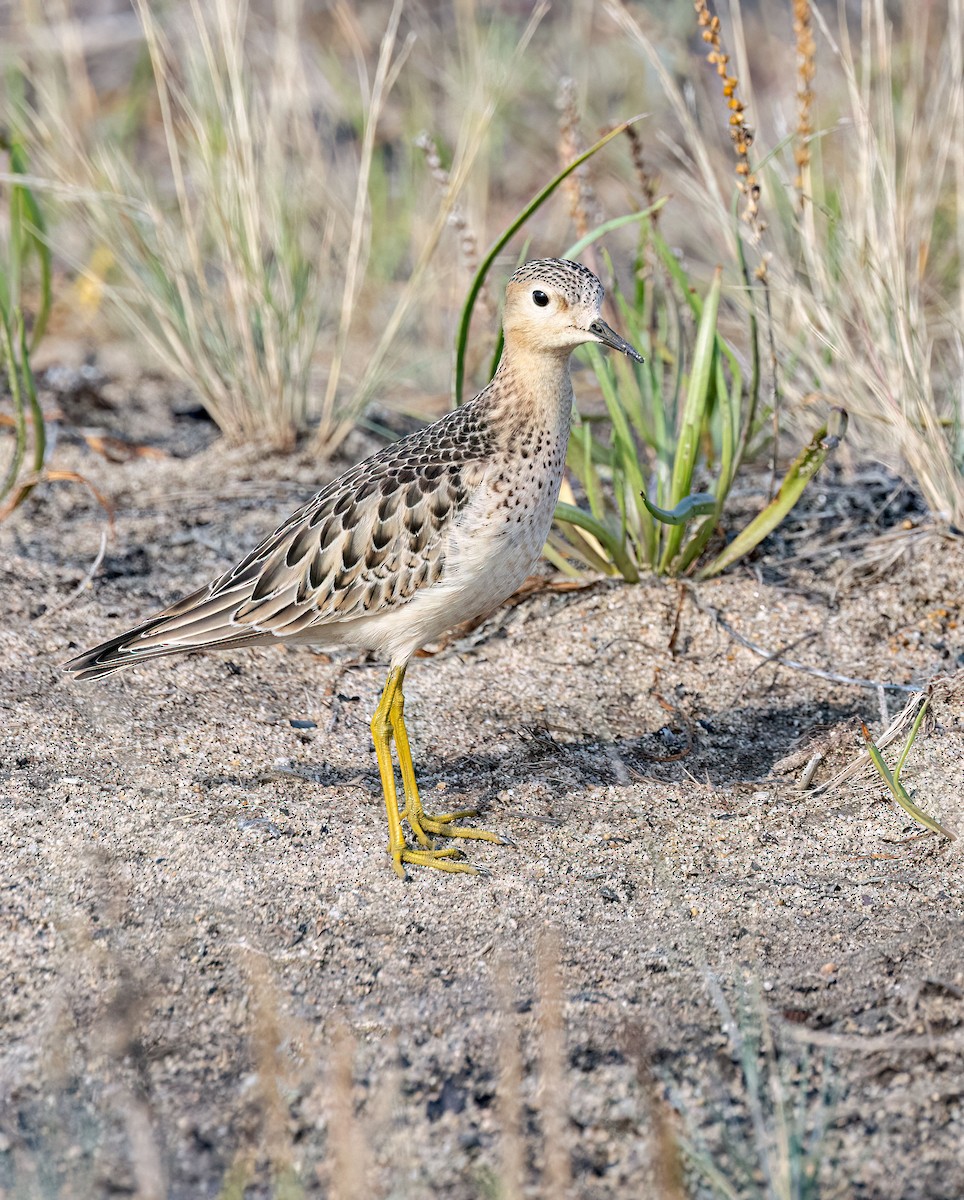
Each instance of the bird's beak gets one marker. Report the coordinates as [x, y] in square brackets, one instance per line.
[609, 337]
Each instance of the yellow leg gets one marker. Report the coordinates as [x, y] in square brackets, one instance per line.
[382, 729]
[421, 822]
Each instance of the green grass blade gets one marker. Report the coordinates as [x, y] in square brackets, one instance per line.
[569, 514]
[728, 410]
[608, 226]
[676, 272]
[19, 412]
[807, 464]
[576, 545]
[697, 543]
[559, 560]
[698, 395]
[627, 473]
[619, 495]
[36, 412]
[735, 402]
[635, 400]
[15, 249]
[662, 436]
[33, 235]
[699, 504]
[676, 370]
[899, 792]
[729, 456]
[582, 465]
[914, 729]
[731, 397]
[753, 399]
[534, 204]
[629, 374]
[500, 336]
[23, 394]
[623, 442]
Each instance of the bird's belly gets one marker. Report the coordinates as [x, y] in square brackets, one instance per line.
[493, 549]
[496, 546]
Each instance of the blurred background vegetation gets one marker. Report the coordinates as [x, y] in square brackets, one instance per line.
[284, 205]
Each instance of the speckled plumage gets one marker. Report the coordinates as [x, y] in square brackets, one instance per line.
[569, 279]
[364, 544]
[437, 528]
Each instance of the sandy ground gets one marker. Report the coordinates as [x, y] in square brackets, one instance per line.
[213, 985]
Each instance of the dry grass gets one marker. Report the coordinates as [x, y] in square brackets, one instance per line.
[864, 277]
[509, 1092]
[277, 240]
[213, 237]
[103, 1033]
[553, 1091]
[773, 1119]
[863, 241]
[236, 231]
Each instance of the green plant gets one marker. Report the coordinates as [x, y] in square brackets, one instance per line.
[773, 1120]
[892, 778]
[684, 417]
[17, 484]
[26, 254]
[861, 250]
[686, 413]
[25, 247]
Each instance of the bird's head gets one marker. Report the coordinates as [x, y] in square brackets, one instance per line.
[552, 305]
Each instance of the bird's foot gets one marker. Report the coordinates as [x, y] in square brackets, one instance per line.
[449, 859]
[424, 824]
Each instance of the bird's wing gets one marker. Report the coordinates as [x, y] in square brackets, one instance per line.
[365, 546]
[367, 542]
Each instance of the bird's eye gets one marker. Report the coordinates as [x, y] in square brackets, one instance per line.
[540, 298]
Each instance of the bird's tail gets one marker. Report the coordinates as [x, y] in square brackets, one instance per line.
[199, 621]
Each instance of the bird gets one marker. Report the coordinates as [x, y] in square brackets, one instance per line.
[433, 530]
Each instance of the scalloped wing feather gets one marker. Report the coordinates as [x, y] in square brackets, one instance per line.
[366, 543]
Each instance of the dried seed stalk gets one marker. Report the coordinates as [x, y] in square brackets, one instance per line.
[806, 70]
[740, 132]
[468, 242]
[583, 205]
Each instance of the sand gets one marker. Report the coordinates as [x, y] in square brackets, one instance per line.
[213, 984]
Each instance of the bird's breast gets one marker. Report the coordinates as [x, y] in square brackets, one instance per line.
[504, 527]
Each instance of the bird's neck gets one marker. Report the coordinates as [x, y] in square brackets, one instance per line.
[530, 389]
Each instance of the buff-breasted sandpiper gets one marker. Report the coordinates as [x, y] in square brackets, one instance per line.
[431, 531]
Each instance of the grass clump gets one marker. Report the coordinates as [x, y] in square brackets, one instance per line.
[25, 261]
[684, 418]
[774, 1121]
[237, 213]
[856, 268]
[221, 247]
